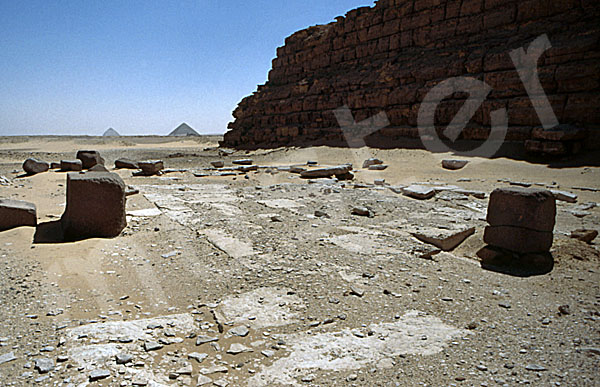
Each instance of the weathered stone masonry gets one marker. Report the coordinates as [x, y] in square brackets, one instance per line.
[387, 57]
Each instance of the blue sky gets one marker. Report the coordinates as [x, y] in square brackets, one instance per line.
[141, 67]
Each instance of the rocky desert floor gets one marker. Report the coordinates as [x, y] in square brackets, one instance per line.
[267, 279]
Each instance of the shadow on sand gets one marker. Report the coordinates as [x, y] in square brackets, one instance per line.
[527, 265]
[49, 232]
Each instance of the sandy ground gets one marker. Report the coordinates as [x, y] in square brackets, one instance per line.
[212, 259]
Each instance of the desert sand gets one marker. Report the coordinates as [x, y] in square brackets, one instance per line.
[238, 281]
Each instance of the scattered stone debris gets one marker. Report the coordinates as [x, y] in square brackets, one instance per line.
[95, 206]
[34, 166]
[454, 165]
[71, 165]
[584, 235]
[17, 213]
[125, 163]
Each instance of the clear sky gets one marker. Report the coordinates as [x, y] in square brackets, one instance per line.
[141, 67]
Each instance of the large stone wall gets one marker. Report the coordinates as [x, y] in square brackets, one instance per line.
[389, 56]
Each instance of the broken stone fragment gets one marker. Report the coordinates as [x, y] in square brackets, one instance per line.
[95, 206]
[584, 235]
[241, 331]
[199, 357]
[126, 164]
[152, 346]
[445, 239]
[362, 211]
[99, 374]
[89, 158]
[17, 213]
[203, 380]
[564, 196]
[71, 165]
[151, 167]
[454, 165]
[44, 365]
[123, 358]
[33, 166]
[372, 161]
[378, 167]
[98, 168]
[7, 357]
[201, 339]
[340, 170]
[217, 164]
[247, 168]
[420, 192]
[237, 348]
[243, 162]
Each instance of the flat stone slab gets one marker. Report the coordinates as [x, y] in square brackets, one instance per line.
[229, 244]
[355, 350]
[243, 162]
[7, 357]
[445, 239]
[146, 213]
[17, 213]
[420, 192]
[564, 196]
[326, 172]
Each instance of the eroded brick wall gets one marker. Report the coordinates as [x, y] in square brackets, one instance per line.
[387, 57]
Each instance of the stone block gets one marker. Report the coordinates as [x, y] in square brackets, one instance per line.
[95, 206]
[71, 165]
[525, 208]
[33, 166]
[89, 158]
[16, 213]
[518, 239]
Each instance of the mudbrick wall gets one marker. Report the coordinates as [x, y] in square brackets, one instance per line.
[386, 58]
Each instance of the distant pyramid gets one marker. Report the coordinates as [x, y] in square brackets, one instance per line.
[111, 132]
[184, 130]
